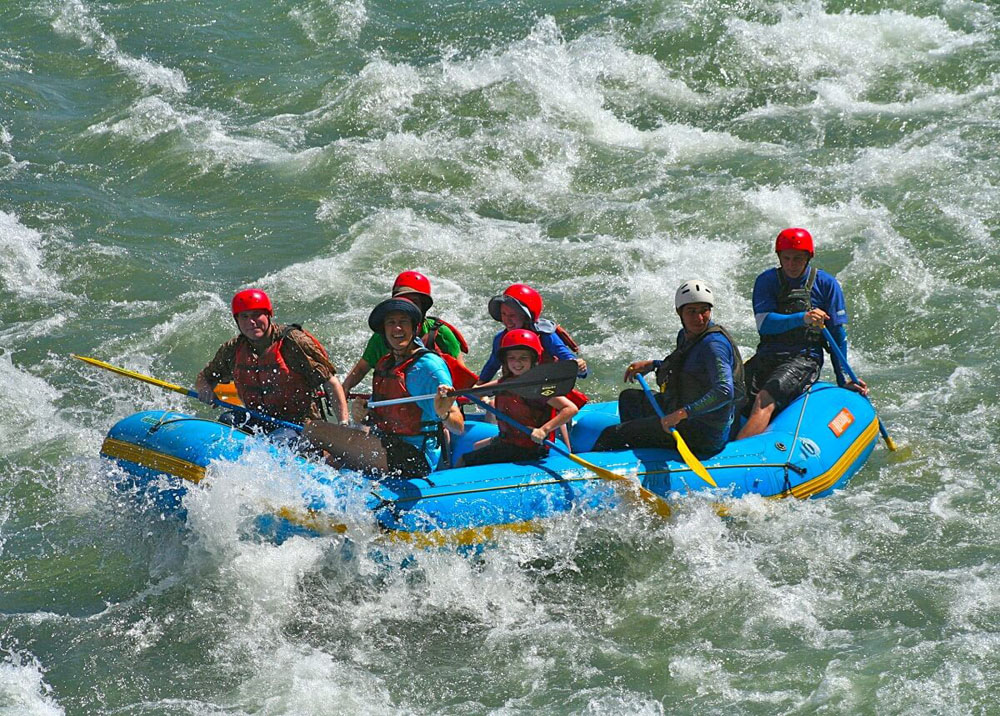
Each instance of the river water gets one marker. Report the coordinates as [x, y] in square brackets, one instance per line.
[157, 156]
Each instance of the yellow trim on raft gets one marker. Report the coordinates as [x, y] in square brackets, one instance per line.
[153, 459]
[829, 478]
[461, 537]
[310, 519]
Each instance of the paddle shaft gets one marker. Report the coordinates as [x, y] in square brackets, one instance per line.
[685, 452]
[188, 392]
[549, 370]
[650, 499]
[842, 359]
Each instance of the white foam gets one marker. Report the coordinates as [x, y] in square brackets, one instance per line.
[349, 18]
[22, 260]
[74, 18]
[206, 135]
[810, 45]
[28, 404]
[304, 680]
[23, 690]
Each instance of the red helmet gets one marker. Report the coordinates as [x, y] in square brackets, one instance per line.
[414, 282]
[376, 319]
[251, 299]
[797, 239]
[521, 338]
[521, 295]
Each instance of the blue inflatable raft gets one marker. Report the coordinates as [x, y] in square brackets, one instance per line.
[811, 449]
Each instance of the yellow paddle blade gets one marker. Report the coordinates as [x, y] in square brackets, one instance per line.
[691, 461]
[133, 374]
[226, 392]
[649, 499]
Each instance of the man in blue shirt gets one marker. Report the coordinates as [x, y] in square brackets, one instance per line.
[702, 381]
[792, 304]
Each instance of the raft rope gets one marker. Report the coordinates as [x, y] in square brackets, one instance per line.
[795, 439]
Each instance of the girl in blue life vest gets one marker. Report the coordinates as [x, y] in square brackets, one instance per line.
[520, 350]
[520, 306]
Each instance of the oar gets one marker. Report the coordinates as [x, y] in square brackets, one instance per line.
[189, 393]
[649, 499]
[545, 380]
[842, 359]
[688, 456]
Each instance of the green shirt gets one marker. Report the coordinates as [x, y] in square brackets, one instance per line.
[377, 347]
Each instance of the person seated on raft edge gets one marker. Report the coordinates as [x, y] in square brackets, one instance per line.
[520, 351]
[277, 369]
[436, 334]
[703, 382]
[406, 438]
[792, 304]
[520, 306]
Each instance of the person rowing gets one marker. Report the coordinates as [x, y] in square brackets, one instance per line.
[701, 385]
[520, 351]
[435, 333]
[519, 307]
[277, 369]
[404, 438]
[792, 304]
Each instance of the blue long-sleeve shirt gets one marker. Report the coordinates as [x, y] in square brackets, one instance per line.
[551, 344]
[826, 294]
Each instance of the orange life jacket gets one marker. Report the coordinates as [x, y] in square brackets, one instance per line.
[461, 377]
[265, 382]
[530, 412]
[388, 383]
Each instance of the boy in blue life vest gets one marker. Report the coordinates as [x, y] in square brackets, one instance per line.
[701, 381]
[406, 438]
[792, 304]
[520, 351]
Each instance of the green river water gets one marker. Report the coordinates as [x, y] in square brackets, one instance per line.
[157, 156]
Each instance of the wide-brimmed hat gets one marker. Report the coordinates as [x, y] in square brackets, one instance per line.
[497, 301]
[376, 319]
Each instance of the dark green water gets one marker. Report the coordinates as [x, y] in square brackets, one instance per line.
[157, 156]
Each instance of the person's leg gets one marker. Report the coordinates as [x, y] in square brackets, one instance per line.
[760, 415]
[355, 449]
[644, 432]
[785, 383]
[633, 404]
[499, 451]
[402, 458]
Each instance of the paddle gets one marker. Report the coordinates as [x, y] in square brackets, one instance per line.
[545, 380]
[690, 460]
[189, 393]
[842, 359]
[648, 499]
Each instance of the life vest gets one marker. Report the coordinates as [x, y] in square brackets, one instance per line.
[265, 382]
[389, 382]
[461, 377]
[530, 412]
[578, 398]
[545, 325]
[683, 387]
[430, 336]
[796, 300]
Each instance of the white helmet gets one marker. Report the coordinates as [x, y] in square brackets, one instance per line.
[693, 291]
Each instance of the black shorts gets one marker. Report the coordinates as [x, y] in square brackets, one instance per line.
[498, 450]
[784, 377]
[403, 458]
